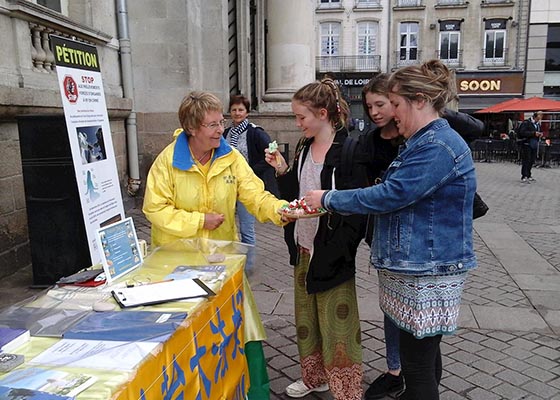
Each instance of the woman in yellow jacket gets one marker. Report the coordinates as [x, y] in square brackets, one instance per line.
[191, 191]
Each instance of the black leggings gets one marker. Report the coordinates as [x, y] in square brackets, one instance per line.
[421, 366]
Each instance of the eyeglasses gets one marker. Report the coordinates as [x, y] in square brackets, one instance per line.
[215, 125]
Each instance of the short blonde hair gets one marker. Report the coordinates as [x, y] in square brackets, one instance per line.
[195, 106]
[431, 81]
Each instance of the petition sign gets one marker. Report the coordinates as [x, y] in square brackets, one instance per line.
[87, 122]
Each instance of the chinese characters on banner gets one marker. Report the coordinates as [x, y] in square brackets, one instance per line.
[87, 122]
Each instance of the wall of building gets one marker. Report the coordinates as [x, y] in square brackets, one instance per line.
[29, 86]
[543, 13]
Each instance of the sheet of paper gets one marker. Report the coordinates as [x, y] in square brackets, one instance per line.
[97, 354]
[160, 292]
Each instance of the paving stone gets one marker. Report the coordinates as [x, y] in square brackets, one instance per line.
[539, 374]
[481, 394]
[507, 391]
[541, 362]
[523, 343]
[490, 367]
[460, 369]
[456, 384]
[513, 377]
[540, 389]
[483, 380]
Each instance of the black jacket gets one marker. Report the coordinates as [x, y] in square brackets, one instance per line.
[257, 141]
[333, 259]
[466, 125]
[527, 133]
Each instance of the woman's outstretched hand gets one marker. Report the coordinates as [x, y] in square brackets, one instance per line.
[213, 221]
[313, 198]
[277, 161]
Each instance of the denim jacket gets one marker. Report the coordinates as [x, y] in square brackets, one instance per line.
[423, 206]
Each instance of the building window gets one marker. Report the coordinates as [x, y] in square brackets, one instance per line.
[60, 6]
[495, 40]
[330, 38]
[552, 62]
[367, 38]
[329, 4]
[449, 41]
[408, 41]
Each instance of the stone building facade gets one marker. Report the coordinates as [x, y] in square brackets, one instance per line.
[152, 54]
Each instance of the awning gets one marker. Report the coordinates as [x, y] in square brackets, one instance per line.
[474, 103]
[523, 105]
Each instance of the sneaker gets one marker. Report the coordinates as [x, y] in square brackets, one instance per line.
[299, 389]
[385, 384]
[524, 180]
[531, 179]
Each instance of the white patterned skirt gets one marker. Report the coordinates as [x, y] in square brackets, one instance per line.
[422, 305]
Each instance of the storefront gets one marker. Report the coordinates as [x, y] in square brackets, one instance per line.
[483, 89]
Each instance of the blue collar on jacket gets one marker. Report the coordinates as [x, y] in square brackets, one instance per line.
[435, 125]
[182, 158]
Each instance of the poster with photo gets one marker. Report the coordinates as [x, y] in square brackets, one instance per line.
[87, 121]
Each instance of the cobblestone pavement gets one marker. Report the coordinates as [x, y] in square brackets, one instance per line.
[508, 344]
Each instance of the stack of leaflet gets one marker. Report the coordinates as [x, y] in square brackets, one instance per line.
[116, 340]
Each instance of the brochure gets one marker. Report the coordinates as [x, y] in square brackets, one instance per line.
[12, 338]
[48, 380]
[129, 326]
[8, 393]
[96, 354]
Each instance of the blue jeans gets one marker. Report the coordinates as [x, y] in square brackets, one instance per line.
[247, 233]
[392, 348]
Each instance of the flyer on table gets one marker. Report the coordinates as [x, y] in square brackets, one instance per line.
[87, 121]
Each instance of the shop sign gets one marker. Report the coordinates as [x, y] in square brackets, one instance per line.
[495, 84]
[352, 81]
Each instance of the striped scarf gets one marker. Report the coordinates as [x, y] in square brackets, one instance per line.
[235, 131]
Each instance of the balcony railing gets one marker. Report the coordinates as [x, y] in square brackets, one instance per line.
[450, 2]
[410, 57]
[330, 6]
[449, 60]
[359, 63]
[495, 59]
[409, 3]
[496, 1]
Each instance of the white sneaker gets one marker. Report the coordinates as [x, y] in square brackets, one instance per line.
[299, 389]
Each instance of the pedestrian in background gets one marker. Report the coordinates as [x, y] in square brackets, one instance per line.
[423, 245]
[530, 133]
[250, 140]
[323, 250]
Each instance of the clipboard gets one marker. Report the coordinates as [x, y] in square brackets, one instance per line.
[161, 292]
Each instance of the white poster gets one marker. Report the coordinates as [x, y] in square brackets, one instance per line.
[87, 121]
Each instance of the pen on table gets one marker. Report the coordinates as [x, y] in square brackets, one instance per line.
[130, 285]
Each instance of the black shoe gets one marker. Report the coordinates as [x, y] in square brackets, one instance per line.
[385, 384]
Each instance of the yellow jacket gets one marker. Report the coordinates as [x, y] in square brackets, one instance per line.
[178, 194]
